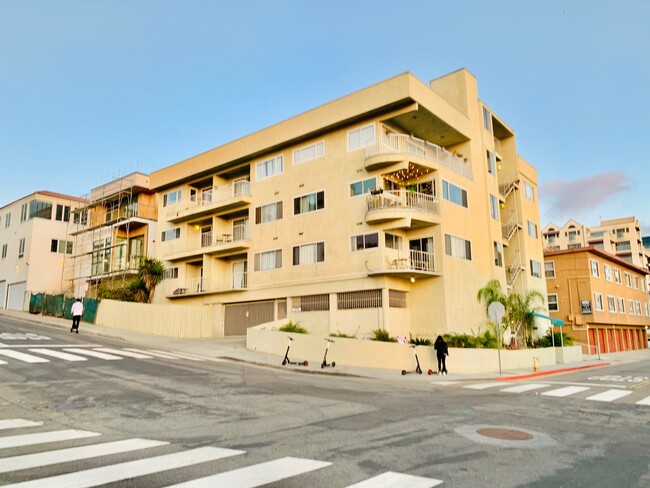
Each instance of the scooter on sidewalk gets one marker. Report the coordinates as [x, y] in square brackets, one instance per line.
[418, 369]
[325, 364]
[286, 359]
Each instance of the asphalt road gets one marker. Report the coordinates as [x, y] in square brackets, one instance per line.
[69, 418]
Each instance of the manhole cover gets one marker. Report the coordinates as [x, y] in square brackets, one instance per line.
[505, 434]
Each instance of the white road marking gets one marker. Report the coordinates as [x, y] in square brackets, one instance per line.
[17, 423]
[566, 391]
[3, 362]
[130, 469]
[48, 458]
[43, 437]
[49, 346]
[525, 387]
[645, 401]
[59, 354]
[445, 383]
[21, 356]
[94, 354]
[257, 475]
[120, 352]
[178, 355]
[484, 386]
[609, 395]
[397, 480]
[151, 353]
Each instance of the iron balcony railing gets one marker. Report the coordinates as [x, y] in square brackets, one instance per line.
[403, 199]
[403, 260]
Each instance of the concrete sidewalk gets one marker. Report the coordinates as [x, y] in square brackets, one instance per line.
[234, 349]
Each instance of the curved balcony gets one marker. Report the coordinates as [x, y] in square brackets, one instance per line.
[411, 209]
[221, 200]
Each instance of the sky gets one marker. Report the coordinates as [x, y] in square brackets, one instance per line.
[91, 90]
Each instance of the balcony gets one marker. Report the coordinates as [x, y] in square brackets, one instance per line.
[235, 281]
[412, 208]
[100, 216]
[404, 264]
[218, 201]
[216, 244]
[400, 149]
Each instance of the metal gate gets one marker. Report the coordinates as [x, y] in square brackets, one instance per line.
[240, 316]
[16, 296]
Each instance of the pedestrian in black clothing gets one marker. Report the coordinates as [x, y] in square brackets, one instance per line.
[441, 351]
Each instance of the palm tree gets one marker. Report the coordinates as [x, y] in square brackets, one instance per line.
[519, 316]
[150, 274]
[490, 293]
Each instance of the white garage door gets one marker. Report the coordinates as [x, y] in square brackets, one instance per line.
[3, 291]
[16, 296]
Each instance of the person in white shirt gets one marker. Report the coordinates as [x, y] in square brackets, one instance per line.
[77, 311]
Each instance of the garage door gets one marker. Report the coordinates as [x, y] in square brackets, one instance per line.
[3, 293]
[241, 316]
[16, 296]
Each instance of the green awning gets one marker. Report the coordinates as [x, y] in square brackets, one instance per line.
[557, 322]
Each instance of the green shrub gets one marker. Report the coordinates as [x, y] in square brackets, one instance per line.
[486, 340]
[382, 336]
[291, 327]
[560, 337]
[117, 290]
[341, 334]
[419, 341]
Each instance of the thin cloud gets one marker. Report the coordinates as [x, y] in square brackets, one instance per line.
[571, 197]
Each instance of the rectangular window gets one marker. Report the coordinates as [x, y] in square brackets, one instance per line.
[628, 280]
[491, 165]
[42, 210]
[621, 305]
[21, 248]
[494, 207]
[635, 282]
[364, 241]
[454, 194]
[396, 299]
[352, 300]
[549, 269]
[529, 191]
[630, 307]
[170, 234]
[595, 269]
[391, 241]
[487, 119]
[23, 212]
[611, 303]
[362, 187]
[171, 198]
[532, 229]
[268, 213]
[7, 220]
[270, 167]
[309, 253]
[617, 276]
[268, 260]
[309, 203]
[458, 247]
[598, 302]
[308, 153]
[171, 273]
[61, 247]
[647, 309]
[310, 303]
[361, 137]
[552, 302]
[498, 254]
[80, 217]
[535, 269]
[637, 307]
[62, 213]
[607, 271]
[4, 251]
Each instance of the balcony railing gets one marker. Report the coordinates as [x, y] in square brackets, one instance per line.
[227, 282]
[402, 143]
[209, 198]
[239, 233]
[396, 261]
[186, 287]
[403, 199]
[99, 216]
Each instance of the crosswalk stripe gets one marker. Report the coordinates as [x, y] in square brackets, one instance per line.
[59, 354]
[256, 475]
[525, 387]
[94, 354]
[645, 401]
[121, 352]
[178, 355]
[151, 353]
[397, 480]
[130, 469]
[483, 386]
[43, 437]
[3, 362]
[28, 461]
[566, 391]
[609, 395]
[21, 356]
[17, 423]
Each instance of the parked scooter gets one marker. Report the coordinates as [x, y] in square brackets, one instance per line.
[286, 359]
[418, 369]
[325, 364]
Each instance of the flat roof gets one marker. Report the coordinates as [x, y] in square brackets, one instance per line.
[598, 252]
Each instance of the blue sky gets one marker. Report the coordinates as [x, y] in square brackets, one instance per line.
[90, 90]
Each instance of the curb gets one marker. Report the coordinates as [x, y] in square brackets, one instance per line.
[554, 371]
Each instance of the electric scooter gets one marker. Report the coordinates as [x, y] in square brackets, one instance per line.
[324, 364]
[417, 369]
[286, 359]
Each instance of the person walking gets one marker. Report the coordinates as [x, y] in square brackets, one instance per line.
[442, 351]
[77, 311]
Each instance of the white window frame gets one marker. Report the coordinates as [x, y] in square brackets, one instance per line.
[446, 191]
[628, 279]
[21, 247]
[594, 268]
[262, 264]
[620, 302]
[354, 242]
[498, 253]
[170, 234]
[319, 152]
[630, 307]
[611, 303]
[263, 212]
[454, 244]
[598, 302]
[529, 191]
[637, 307]
[535, 269]
[617, 276]
[302, 248]
[364, 188]
[532, 229]
[361, 144]
[491, 162]
[167, 196]
[397, 241]
[556, 302]
[276, 164]
[547, 270]
[300, 197]
[494, 207]
[607, 271]
[487, 119]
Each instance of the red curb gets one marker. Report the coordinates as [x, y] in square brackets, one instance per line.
[546, 373]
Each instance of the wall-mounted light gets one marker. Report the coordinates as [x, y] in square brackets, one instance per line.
[196, 227]
[412, 279]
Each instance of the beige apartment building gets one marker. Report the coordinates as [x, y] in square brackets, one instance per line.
[602, 298]
[35, 246]
[117, 230]
[387, 208]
